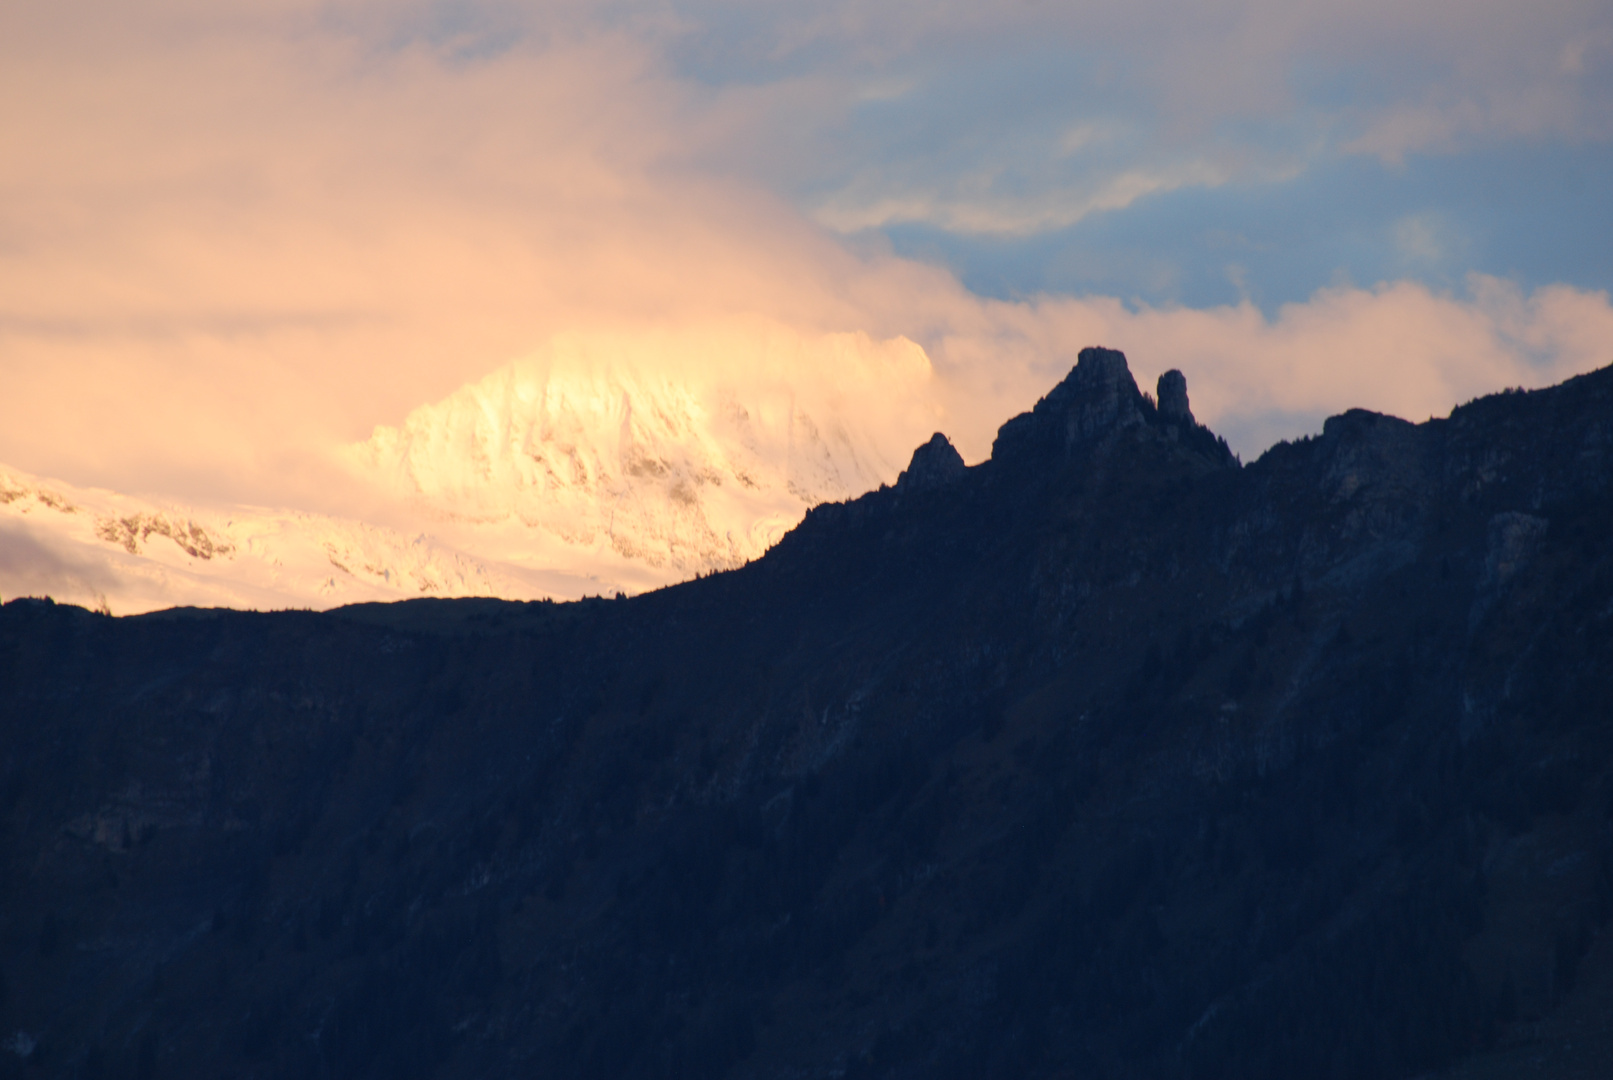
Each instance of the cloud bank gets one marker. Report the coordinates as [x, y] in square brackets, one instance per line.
[232, 240]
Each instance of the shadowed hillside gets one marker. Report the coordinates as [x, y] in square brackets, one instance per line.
[1107, 757]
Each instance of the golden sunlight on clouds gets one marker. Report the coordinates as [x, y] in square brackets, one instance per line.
[218, 249]
[231, 242]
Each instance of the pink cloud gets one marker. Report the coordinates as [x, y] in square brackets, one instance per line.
[231, 240]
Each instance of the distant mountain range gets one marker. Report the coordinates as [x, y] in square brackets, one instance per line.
[1108, 756]
[584, 471]
[126, 555]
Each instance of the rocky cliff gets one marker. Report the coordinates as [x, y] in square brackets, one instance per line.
[1105, 757]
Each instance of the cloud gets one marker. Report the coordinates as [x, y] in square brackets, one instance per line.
[1254, 88]
[234, 237]
[1417, 238]
[224, 249]
[981, 211]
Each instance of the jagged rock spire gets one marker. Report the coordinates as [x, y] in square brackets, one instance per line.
[1096, 402]
[1097, 396]
[1172, 393]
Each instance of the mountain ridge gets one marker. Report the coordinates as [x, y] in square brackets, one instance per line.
[1105, 756]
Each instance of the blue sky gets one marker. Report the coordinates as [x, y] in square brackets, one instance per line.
[1536, 218]
[1276, 149]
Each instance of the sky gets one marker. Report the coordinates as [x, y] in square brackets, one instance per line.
[234, 237]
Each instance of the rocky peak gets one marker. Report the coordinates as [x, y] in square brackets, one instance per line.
[1172, 394]
[1099, 399]
[1098, 396]
[935, 464]
[1100, 384]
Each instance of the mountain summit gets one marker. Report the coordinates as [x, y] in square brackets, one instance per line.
[935, 464]
[681, 464]
[1098, 402]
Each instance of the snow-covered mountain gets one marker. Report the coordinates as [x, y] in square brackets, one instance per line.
[125, 555]
[601, 464]
[680, 454]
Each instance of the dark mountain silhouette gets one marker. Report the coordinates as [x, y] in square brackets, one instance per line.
[1105, 758]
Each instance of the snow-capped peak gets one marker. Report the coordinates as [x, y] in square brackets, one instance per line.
[681, 452]
[604, 463]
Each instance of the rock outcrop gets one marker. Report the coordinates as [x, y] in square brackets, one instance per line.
[1096, 405]
[1098, 397]
[1171, 390]
[935, 464]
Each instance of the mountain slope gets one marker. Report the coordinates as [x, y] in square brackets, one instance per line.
[1105, 757]
[128, 555]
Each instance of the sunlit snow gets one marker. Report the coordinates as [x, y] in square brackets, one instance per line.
[604, 463]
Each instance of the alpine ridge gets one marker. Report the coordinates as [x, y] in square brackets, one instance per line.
[1109, 756]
